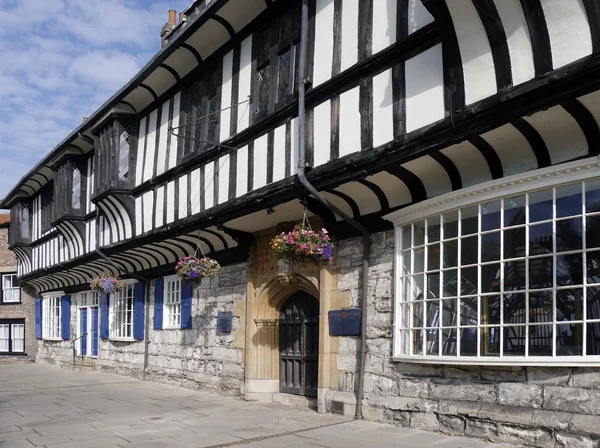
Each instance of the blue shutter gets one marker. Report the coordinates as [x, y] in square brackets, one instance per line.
[104, 300]
[38, 318]
[187, 291]
[138, 311]
[159, 291]
[65, 317]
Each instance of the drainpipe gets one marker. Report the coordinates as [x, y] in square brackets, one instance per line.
[362, 229]
[137, 277]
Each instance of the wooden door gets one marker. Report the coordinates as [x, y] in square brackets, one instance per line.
[299, 345]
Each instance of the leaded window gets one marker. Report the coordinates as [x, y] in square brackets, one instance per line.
[121, 310]
[124, 156]
[51, 317]
[76, 189]
[200, 107]
[25, 222]
[172, 303]
[513, 278]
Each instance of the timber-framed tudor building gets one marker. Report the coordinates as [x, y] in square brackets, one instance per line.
[460, 136]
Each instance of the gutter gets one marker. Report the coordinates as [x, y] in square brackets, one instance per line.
[366, 236]
[137, 277]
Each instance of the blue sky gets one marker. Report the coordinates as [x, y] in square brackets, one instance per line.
[59, 61]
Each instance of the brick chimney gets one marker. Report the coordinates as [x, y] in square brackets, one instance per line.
[85, 119]
[168, 27]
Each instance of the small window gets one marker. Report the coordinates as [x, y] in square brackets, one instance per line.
[11, 292]
[51, 317]
[76, 190]
[25, 222]
[17, 337]
[12, 336]
[124, 156]
[121, 309]
[172, 304]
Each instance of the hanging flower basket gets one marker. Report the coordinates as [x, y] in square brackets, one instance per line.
[193, 270]
[304, 244]
[107, 284]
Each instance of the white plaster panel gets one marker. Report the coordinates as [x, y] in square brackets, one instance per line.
[209, 185]
[260, 162]
[245, 81]
[226, 88]
[475, 51]
[183, 197]
[322, 133]
[279, 154]
[424, 89]
[162, 138]
[224, 179]
[384, 24]
[383, 108]
[518, 40]
[349, 55]
[561, 133]
[323, 41]
[569, 30]
[150, 145]
[434, 177]
[159, 219]
[294, 151]
[512, 148]
[170, 202]
[195, 191]
[148, 201]
[242, 172]
[469, 162]
[139, 165]
[349, 122]
[175, 123]
[138, 216]
[418, 16]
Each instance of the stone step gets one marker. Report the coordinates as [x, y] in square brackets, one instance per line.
[295, 400]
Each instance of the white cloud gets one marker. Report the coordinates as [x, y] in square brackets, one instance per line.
[59, 61]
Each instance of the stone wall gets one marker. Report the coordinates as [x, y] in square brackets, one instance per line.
[542, 407]
[197, 358]
[7, 258]
[24, 310]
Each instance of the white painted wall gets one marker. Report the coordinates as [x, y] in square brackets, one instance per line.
[349, 55]
[323, 41]
[260, 162]
[245, 79]
[384, 24]
[383, 108]
[349, 122]
[279, 154]
[226, 89]
[418, 16]
[322, 133]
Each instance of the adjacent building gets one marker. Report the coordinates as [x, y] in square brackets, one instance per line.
[17, 337]
[453, 149]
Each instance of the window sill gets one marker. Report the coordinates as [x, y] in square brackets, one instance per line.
[562, 361]
[123, 339]
[11, 303]
[172, 328]
[53, 339]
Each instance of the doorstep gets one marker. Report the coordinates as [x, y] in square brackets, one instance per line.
[297, 401]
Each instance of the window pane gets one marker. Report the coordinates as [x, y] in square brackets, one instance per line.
[593, 267]
[514, 211]
[433, 285]
[490, 216]
[468, 342]
[569, 270]
[418, 286]
[76, 193]
[449, 313]
[433, 229]
[514, 308]
[569, 235]
[406, 239]
[569, 304]
[433, 342]
[469, 250]
[490, 278]
[468, 311]
[540, 340]
[419, 262]
[449, 342]
[406, 258]
[592, 231]
[593, 339]
[433, 313]
[490, 341]
[514, 243]
[540, 306]
[540, 239]
[417, 342]
[468, 281]
[450, 284]
[450, 253]
[404, 315]
[490, 310]
[451, 224]
[490, 247]
[404, 342]
[592, 196]
[285, 68]
[541, 272]
[514, 341]
[417, 308]
[124, 156]
[419, 233]
[469, 220]
[593, 302]
[540, 206]
[262, 81]
[433, 256]
[568, 200]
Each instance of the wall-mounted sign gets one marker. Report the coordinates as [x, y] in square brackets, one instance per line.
[344, 322]
[224, 319]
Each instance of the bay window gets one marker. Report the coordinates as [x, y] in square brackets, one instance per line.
[512, 278]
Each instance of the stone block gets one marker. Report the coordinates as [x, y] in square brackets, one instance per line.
[451, 424]
[520, 394]
[566, 440]
[586, 377]
[504, 374]
[585, 424]
[571, 399]
[347, 362]
[424, 420]
[481, 429]
[400, 418]
[408, 387]
[463, 392]
[556, 376]
[538, 437]
[373, 414]
[505, 414]
[463, 373]
[552, 419]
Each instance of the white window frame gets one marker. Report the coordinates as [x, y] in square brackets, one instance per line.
[5, 338]
[172, 302]
[21, 327]
[51, 323]
[557, 176]
[121, 313]
[10, 290]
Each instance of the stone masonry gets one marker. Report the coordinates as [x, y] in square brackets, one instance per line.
[23, 310]
[541, 407]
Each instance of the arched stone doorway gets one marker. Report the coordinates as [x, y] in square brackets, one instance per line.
[299, 345]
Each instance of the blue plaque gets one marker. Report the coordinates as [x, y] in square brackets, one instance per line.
[344, 322]
[224, 319]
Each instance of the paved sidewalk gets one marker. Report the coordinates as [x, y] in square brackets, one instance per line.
[50, 407]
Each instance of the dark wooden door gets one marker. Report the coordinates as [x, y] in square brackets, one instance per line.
[299, 345]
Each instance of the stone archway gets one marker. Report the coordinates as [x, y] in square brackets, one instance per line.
[270, 284]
